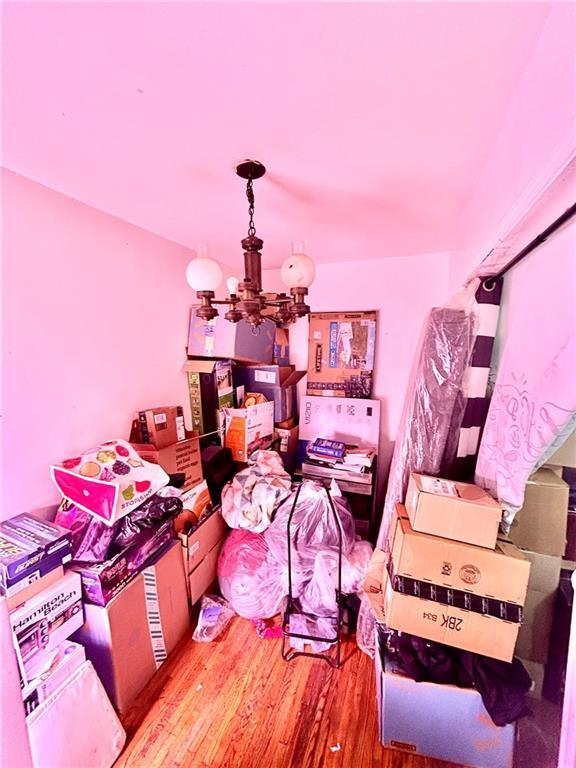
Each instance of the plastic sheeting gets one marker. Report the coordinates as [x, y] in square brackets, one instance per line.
[435, 400]
[253, 568]
[249, 499]
[254, 583]
[93, 541]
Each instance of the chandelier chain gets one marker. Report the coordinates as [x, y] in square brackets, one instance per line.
[250, 196]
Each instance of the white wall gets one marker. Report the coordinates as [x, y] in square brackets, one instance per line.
[403, 290]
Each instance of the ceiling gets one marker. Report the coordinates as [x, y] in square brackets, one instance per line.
[373, 119]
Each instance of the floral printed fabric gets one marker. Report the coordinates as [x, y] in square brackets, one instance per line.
[249, 500]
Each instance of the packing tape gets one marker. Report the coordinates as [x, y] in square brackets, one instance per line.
[153, 616]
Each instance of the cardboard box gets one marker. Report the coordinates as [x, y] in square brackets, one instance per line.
[499, 574]
[205, 574]
[101, 582]
[341, 349]
[219, 338]
[210, 389]
[440, 721]
[276, 383]
[202, 539]
[44, 621]
[461, 628]
[161, 426]
[248, 429]
[373, 583]
[460, 511]
[131, 637]
[29, 549]
[281, 354]
[565, 456]
[540, 526]
[68, 658]
[534, 636]
[183, 456]
[355, 421]
[26, 588]
[288, 449]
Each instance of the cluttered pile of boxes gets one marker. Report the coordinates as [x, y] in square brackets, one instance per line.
[46, 609]
[83, 600]
[448, 576]
[245, 395]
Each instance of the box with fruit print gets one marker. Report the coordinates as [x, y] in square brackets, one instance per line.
[108, 481]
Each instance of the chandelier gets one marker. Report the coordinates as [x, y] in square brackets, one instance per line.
[246, 299]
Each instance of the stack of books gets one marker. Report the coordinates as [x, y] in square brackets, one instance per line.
[335, 459]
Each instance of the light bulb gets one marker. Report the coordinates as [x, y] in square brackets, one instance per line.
[232, 285]
[202, 273]
[298, 271]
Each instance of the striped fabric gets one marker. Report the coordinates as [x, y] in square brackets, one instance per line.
[477, 395]
[153, 614]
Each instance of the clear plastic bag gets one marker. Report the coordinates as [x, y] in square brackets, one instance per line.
[313, 530]
[254, 583]
[435, 400]
[215, 615]
[365, 628]
[319, 595]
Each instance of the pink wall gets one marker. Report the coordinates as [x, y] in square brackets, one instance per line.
[403, 290]
[537, 136]
[95, 314]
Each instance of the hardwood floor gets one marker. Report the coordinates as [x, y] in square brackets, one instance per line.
[235, 703]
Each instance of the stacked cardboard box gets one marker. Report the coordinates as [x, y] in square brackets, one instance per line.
[278, 384]
[435, 586]
[539, 529]
[447, 578]
[441, 721]
[131, 636]
[172, 446]
[201, 540]
[45, 603]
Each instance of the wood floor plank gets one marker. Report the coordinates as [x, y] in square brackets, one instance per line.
[235, 703]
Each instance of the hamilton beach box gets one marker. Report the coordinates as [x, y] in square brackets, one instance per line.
[460, 511]
[68, 658]
[131, 637]
[40, 624]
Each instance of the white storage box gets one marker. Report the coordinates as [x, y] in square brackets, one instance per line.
[76, 727]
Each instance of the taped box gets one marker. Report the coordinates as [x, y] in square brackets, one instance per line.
[131, 637]
[459, 511]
